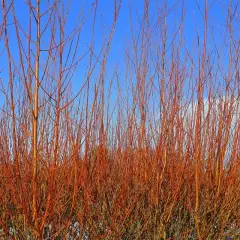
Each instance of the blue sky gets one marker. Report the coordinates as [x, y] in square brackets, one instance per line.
[193, 25]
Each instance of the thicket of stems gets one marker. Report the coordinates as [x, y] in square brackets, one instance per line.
[147, 150]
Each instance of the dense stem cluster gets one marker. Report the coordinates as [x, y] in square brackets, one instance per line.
[149, 149]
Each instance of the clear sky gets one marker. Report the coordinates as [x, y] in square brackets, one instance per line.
[193, 23]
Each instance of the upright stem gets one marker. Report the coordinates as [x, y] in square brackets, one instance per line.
[35, 117]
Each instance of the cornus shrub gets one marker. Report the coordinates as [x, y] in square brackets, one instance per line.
[145, 145]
